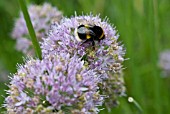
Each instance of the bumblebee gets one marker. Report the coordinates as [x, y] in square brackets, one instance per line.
[88, 33]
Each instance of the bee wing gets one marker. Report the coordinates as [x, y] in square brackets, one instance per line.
[90, 32]
[84, 30]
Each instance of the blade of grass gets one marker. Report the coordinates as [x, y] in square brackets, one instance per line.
[133, 68]
[30, 28]
[153, 41]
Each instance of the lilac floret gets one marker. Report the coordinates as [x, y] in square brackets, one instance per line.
[106, 59]
[41, 18]
[59, 83]
[164, 63]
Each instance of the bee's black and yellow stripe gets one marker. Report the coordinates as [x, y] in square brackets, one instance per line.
[89, 32]
[99, 33]
[83, 33]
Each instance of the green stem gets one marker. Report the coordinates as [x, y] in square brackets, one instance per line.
[30, 28]
[136, 104]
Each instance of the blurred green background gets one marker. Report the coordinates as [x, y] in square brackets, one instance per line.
[144, 28]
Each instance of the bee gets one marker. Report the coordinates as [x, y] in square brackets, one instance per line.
[88, 33]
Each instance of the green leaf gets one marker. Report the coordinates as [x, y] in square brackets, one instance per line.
[30, 28]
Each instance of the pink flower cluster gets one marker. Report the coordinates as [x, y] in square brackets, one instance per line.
[41, 17]
[73, 77]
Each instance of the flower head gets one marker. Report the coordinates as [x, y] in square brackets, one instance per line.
[41, 18]
[58, 83]
[164, 62]
[105, 57]
[73, 74]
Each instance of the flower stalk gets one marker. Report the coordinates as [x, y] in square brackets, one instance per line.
[30, 28]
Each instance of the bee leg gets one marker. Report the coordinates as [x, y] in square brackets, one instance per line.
[99, 40]
[84, 42]
[93, 44]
